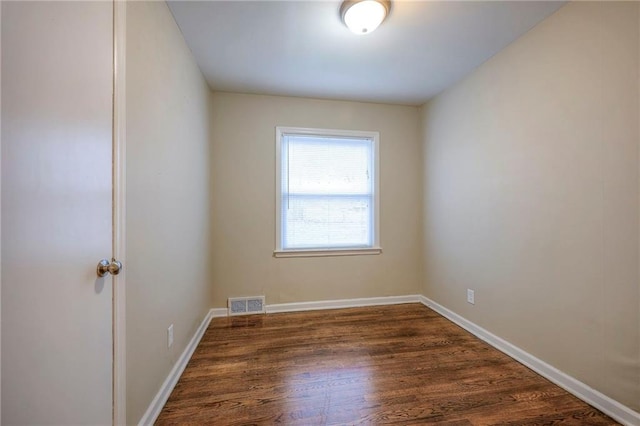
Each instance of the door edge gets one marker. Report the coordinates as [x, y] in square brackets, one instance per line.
[119, 212]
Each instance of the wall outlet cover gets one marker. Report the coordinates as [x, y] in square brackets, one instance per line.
[170, 336]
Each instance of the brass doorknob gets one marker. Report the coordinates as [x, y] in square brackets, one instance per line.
[105, 267]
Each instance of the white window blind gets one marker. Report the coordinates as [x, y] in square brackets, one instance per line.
[327, 190]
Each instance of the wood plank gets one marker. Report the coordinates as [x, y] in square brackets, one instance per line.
[398, 364]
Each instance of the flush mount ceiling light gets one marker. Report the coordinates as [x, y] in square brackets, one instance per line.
[364, 16]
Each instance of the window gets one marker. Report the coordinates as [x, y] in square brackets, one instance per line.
[326, 192]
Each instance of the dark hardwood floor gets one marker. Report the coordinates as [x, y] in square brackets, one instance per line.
[399, 364]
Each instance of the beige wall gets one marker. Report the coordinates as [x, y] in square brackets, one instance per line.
[243, 202]
[531, 195]
[167, 269]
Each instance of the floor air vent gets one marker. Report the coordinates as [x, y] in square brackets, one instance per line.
[246, 305]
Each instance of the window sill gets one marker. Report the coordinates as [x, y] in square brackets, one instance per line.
[327, 252]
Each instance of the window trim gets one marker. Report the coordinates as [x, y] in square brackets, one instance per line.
[350, 251]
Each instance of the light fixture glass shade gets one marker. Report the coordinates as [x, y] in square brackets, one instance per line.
[364, 16]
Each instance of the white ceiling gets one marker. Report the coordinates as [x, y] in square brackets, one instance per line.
[301, 48]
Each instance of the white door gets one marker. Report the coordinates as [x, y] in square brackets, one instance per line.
[56, 212]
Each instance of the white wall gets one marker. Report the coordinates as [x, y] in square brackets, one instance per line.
[531, 175]
[168, 220]
[243, 202]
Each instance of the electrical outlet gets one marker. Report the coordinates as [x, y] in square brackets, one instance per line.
[170, 336]
[471, 296]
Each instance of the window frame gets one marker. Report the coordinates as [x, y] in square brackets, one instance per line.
[375, 141]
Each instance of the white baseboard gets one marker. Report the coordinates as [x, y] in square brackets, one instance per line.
[342, 303]
[161, 397]
[219, 312]
[609, 406]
